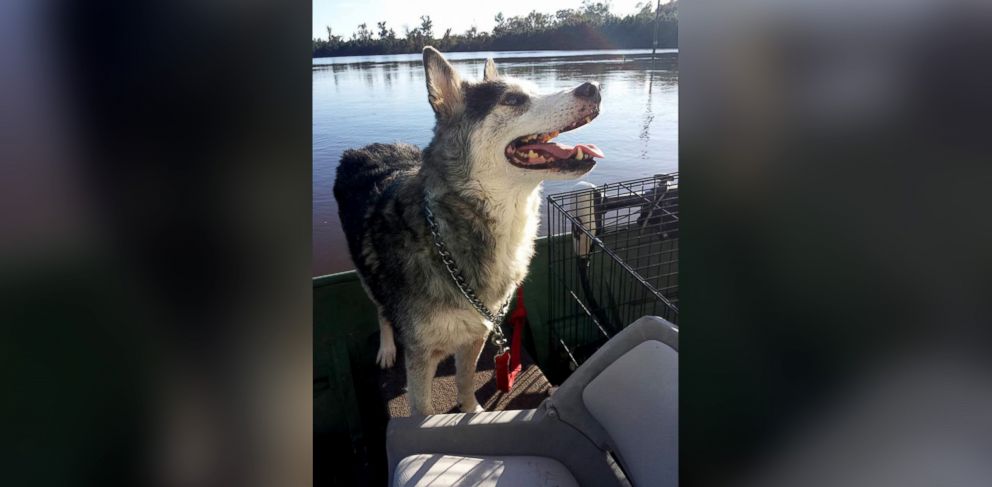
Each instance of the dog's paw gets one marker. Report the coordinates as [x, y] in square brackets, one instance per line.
[471, 408]
[386, 356]
[421, 413]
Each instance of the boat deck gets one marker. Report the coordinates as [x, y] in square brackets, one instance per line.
[529, 388]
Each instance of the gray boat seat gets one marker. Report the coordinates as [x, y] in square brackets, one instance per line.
[613, 422]
[476, 471]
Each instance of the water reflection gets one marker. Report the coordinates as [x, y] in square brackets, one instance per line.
[360, 100]
[548, 71]
[648, 117]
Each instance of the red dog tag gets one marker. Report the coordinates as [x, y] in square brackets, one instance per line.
[504, 374]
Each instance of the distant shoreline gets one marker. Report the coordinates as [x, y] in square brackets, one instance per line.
[590, 26]
[659, 48]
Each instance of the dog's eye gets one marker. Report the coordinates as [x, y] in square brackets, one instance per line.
[513, 99]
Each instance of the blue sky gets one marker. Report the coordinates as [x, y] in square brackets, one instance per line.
[344, 15]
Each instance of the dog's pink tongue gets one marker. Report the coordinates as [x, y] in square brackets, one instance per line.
[562, 151]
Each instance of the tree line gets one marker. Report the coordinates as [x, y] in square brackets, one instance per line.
[592, 26]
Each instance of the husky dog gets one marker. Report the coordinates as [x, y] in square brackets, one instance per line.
[481, 179]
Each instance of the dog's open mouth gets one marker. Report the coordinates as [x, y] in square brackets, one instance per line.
[537, 151]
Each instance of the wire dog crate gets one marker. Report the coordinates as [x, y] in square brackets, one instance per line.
[613, 256]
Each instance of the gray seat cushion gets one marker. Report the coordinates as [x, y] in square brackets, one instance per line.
[636, 401]
[490, 471]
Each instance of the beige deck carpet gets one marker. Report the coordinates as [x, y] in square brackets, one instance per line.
[529, 389]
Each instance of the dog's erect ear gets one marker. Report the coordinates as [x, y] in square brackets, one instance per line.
[490, 73]
[444, 86]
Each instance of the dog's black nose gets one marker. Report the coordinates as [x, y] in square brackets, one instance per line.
[589, 91]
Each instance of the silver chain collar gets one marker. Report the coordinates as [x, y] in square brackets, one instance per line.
[498, 338]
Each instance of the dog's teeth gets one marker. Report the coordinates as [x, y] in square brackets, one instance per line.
[578, 154]
[588, 119]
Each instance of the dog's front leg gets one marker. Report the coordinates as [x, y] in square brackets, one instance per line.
[421, 366]
[466, 360]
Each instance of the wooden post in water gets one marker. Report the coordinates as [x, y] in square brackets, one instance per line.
[654, 44]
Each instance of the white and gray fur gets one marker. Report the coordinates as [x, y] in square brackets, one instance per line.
[486, 208]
